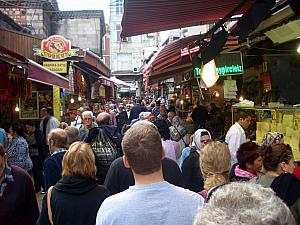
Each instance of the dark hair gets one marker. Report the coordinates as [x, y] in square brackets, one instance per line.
[242, 115]
[163, 128]
[275, 154]
[19, 129]
[32, 124]
[50, 111]
[143, 149]
[139, 100]
[247, 153]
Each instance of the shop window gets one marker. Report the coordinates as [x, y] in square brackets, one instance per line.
[119, 7]
[118, 32]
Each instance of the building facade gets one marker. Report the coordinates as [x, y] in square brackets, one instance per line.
[127, 55]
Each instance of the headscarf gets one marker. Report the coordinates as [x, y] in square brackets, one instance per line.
[272, 138]
[197, 136]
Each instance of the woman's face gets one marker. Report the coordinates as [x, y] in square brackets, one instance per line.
[10, 130]
[256, 167]
[203, 140]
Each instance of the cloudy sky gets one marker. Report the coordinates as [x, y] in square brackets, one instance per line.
[85, 5]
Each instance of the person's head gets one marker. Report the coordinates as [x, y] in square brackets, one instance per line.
[144, 115]
[120, 108]
[87, 117]
[3, 160]
[18, 130]
[142, 149]
[73, 134]
[278, 158]
[30, 126]
[163, 110]
[96, 107]
[49, 112]
[201, 136]
[157, 103]
[43, 112]
[57, 139]
[171, 115]
[139, 101]
[103, 119]
[79, 160]
[215, 164]
[128, 107]
[63, 125]
[244, 119]
[244, 203]
[272, 138]
[80, 111]
[106, 108]
[163, 128]
[249, 158]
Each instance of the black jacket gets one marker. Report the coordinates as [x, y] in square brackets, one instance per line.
[119, 178]
[74, 200]
[135, 111]
[191, 172]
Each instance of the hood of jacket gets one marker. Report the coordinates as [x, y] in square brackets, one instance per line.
[75, 184]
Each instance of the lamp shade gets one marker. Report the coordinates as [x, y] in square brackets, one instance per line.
[209, 74]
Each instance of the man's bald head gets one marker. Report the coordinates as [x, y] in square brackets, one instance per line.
[103, 118]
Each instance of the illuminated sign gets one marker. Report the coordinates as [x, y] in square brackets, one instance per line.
[227, 64]
[57, 67]
[56, 48]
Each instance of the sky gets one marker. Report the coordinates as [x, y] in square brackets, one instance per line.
[85, 5]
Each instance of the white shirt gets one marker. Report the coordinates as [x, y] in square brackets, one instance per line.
[234, 138]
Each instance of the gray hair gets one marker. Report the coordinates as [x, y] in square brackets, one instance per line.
[244, 204]
[87, 113]
[73, 134]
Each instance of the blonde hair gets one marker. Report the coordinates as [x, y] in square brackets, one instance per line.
[215, 164]
[80, 160]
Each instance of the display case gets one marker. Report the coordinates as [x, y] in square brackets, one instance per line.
[285, 120]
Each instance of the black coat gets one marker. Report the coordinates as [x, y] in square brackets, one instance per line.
[135, 111]
[119, 178]
[74, 200]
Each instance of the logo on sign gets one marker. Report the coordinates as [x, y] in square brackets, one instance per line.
[56, 48]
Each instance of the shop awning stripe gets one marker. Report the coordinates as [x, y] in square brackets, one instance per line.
[148, 16]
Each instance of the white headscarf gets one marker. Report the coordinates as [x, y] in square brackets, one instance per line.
[197, 136]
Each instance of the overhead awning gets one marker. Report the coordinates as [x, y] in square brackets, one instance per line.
[120, 83]
[149, 16]
[40, 74]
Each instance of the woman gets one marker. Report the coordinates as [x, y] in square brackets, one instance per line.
[278, 162]
[215, 165]
[201, 136]
[96, 109]
[76, 197]
[17, 150]
[190, 166]
[249, 163]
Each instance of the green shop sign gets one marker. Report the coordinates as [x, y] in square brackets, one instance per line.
[227, 64]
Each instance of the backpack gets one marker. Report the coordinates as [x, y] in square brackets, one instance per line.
[105, 151]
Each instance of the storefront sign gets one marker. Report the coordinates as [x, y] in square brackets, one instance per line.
[56, 102]
[29, 109]
[227, 64]
[56, 48]
[57, 67]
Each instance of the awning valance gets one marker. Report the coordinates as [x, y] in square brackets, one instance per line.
[149, 16]
[40, 74]
[120, 83]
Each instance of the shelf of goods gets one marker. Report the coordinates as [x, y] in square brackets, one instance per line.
[285, 120]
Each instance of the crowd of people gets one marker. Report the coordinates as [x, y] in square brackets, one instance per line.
[126, 163]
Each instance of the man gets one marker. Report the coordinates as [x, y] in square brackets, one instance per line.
[171, 115]
[199, 116]
[87, 117]
[136, 110]
[51, 124]
[244, 203]
[119, 178]
[18, 204]
[58, 141]
[236, 134]
[112, 114]
[156, 109]
[151, 200]
[105, 142]
[73, 134]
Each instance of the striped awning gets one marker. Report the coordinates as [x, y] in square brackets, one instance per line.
[148, 16]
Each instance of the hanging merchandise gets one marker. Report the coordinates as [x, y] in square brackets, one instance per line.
[265, 77]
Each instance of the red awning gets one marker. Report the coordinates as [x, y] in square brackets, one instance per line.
[40, 74]
[147, 16]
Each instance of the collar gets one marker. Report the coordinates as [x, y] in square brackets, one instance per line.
[58, 151]
[239, 126]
